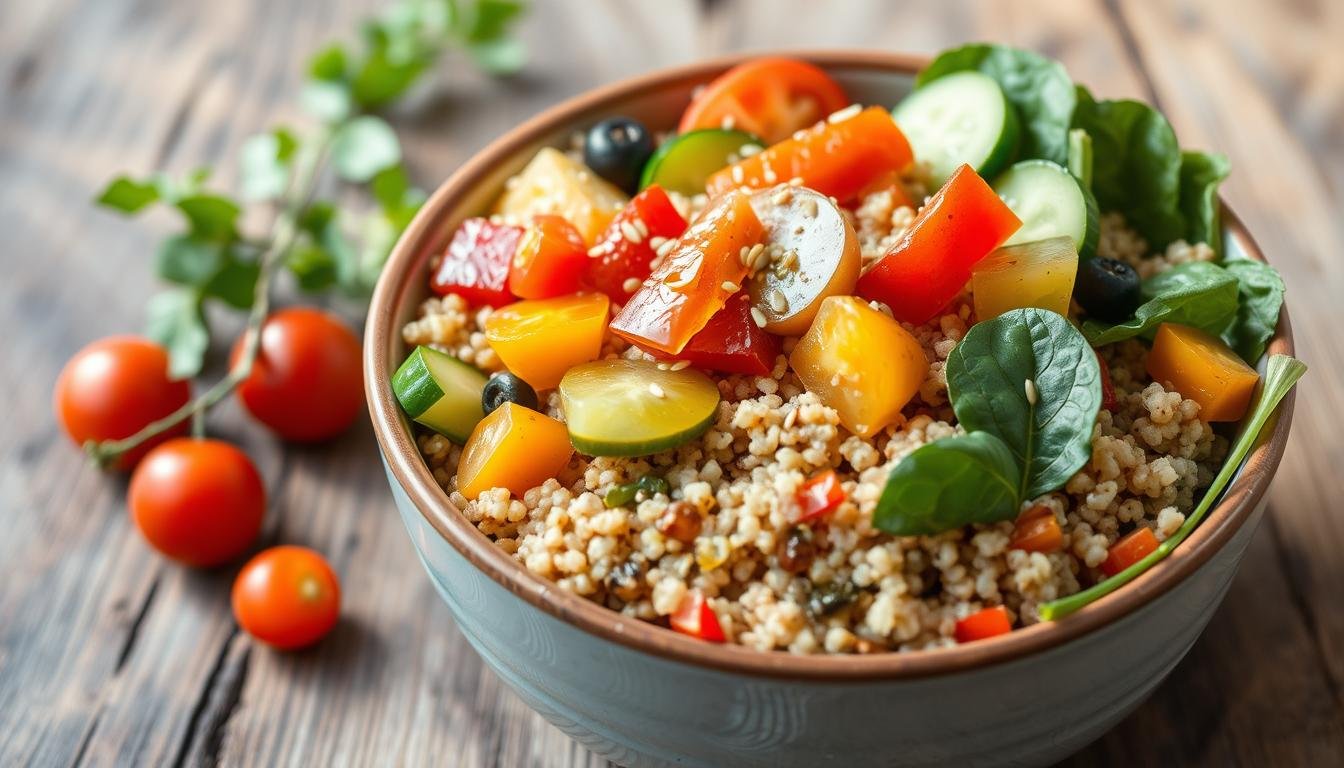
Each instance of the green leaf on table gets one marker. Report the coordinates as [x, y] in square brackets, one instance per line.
[499, 57]
[175, 321]
[396, 197]
[265, 161]
[1195, 293]
[313, 267]
[947, 484]
[128, 195]
[209, 215]
[188, 260]
[1260, 297]
[1050, 433]
[489, 19]
[1038, 87]
[235, 283]
[1201, 173]
[330, 63]
[325, 100]
[363, 147]
[383, 77]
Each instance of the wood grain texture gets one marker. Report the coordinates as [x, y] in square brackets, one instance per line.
[109, 655]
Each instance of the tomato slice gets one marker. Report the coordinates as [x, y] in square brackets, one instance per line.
[703, 269]
[819, 496]
[1129, 550]
[551, 257]
[1037, 530]
[732, 342]
[838, 158]
[769, 97]
[476, 263]
[621, 259]
[1108, 399]
[694, 617]
[983, 624]
[931, 262]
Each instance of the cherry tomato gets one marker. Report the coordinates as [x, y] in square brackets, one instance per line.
[475, 265]
[550, 259]
[114, 387]
[287, 597]
[819, 496]
[768, 97]
[306, 383]
[983, 624]
[731, 342]
[199, 502]
[694, 617]
[1037, 530]
[1129, 550]
[622, 263]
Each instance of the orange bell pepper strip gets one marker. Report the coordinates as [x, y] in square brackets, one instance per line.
[834, 158]
[1129, 550]
[931, 261]
[1037, 530]
[982, 624]
[704, 268]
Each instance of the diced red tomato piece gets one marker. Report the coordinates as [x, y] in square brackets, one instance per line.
[769, 97]
[836, 159]
[931, 262]
[819, 496]
[550, 259]
[694, 617]
[476, 263]
[1037, 530]
[1108, 400]
[703, 269]
[621, 259]
[731, 342]
[1129, 550]
[985, 623]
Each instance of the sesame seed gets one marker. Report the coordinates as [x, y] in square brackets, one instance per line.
[729, 286]
[630, 233]
[791, 419]
[657, 242]
[597, 250]
[782, 197]
[656, 390]
[756, 250]
[644, 228]
[758, 317]
[631, 284]
[680, 365]
[662, 366]
[839, 116]
[747, 150]
[1030, 387]
[777, 300]
[810, 208]
[665, 248]
[737, 174]
[729, 121]
[796, 181]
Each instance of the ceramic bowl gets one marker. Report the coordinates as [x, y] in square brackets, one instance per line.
[642, 695]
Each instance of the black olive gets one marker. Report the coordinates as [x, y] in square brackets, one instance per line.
[617, 149]
[506, 388]
[829, 598]
[1107, 290]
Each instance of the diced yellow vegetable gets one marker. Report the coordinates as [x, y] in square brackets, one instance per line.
[1204, 369]
[557, 184]
[515, 448]
[540, 340]
[1038, 274]
[860, 362]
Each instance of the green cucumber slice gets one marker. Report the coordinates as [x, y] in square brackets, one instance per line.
[441, 392]
[960, 118]
[683, 163]
[1051, 202]
[634, 408]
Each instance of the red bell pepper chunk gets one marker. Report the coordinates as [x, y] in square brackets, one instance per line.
[694, 617]
[731, 342]
[1108, 400]
[819, 496]
[621, 260]
[702, 270]
[1129, 550]
[931, 262]
[988, 622]
[550, 259]
[476, 263]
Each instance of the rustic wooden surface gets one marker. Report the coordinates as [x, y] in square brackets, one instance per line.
[110, 655]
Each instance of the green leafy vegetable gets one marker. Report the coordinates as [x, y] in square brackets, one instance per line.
[1260, 297]
[1031, 380]
[1201, 173]
[1281, 374]
[1038, 87]
[948, 483]
[1195, 293]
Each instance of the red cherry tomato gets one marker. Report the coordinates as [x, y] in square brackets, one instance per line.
[306, 383]
[731, 342]
[550, 259]
[819, 496]
[694, 617]
[287, 597]
[199, 502]
[982, 624]
[768, 97]
[622, 263]
[475, 265]
[114, 387]
[1129, 550]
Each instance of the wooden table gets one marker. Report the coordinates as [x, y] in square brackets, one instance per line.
[109, 654]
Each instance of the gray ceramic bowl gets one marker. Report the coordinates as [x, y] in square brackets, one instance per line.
[646, 696]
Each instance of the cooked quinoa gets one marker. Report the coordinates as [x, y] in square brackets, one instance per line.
[842, 586]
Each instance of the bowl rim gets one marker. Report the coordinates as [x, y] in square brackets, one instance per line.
[404, 462]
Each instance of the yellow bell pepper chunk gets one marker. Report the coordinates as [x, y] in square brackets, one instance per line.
[1204, 369]
[542, 339]
[514, 448]
[860, 362]
[554, 183]
[1038, 274]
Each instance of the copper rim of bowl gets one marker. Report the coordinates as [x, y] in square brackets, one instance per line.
[397, 442]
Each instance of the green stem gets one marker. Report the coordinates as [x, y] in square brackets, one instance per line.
[283, 233]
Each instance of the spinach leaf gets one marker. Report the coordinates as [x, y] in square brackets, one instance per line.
[1196, 293]
[1201, 172]
[1029, 378]
[1038, 87]
[949, 483]
[1260, 297]
[1281, 373]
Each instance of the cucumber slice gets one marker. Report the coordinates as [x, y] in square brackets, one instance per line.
[441, 392]
[960, 118]
[634, 408]
[1051, 202]
[683, 163]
